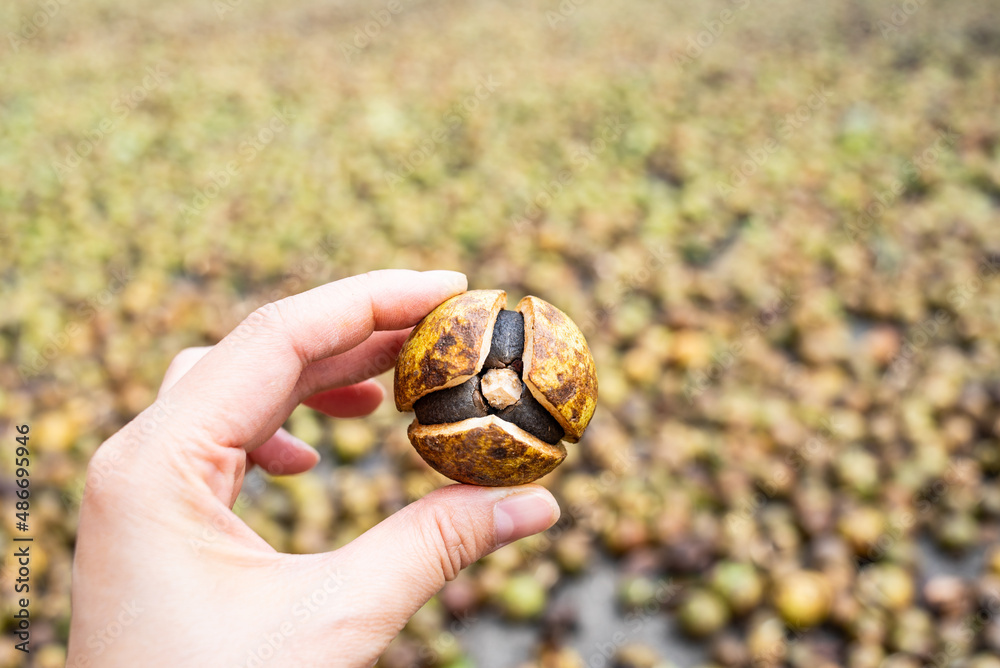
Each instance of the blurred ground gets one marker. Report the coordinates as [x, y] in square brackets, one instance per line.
[777, 223]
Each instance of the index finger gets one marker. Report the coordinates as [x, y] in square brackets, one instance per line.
[233, 394]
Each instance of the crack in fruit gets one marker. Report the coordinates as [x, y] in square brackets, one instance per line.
[465, 401]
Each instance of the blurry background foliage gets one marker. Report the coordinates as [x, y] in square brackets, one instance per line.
[773, 219]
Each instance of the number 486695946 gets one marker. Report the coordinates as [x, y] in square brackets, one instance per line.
[22, 462]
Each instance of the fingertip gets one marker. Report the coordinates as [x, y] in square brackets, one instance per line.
[312, 454]
[455, 281]
[285, 454]
[525, 512]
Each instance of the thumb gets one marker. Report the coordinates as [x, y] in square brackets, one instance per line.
[408, 557]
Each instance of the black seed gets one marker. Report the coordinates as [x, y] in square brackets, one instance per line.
[508, 340]
[532, 417]
[453, 404]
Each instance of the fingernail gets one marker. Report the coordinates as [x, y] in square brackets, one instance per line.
[456, 281]
[308, 448]
[523, 514]
[377, 384]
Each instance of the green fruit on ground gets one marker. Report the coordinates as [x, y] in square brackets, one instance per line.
[703, 613]
[803, 598]
[739, 584]
[887, 585]
[523, 597]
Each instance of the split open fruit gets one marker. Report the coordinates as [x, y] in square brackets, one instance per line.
[495, 392]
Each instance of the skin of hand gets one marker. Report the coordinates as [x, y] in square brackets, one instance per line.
[165, 574]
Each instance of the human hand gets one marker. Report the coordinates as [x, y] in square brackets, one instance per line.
[143, 596]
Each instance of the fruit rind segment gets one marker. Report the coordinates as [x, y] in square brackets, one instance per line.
[485, 451]
[447, 347]
[558, 367]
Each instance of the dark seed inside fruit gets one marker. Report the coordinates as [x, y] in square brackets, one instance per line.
[466, 401]
[454, 404]
[532, 417]
[507, 345]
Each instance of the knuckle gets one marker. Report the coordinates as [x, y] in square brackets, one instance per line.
[363, 282]
[185, 359]
[359, 286]
[101, 471]
[451, 540]
[368, 277]
[184, 355]
[267, 320]
[270, 314]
